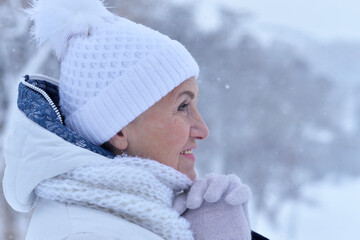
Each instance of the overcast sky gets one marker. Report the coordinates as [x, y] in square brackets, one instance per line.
[323, 20]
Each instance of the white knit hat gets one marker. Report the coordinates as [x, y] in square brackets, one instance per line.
[112, 69]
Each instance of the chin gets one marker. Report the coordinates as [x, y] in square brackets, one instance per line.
[191, 175]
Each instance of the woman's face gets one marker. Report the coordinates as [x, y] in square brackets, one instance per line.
[167, 131]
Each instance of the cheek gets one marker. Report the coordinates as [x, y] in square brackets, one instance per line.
[161, 139]
[174, 139]
[173, 135]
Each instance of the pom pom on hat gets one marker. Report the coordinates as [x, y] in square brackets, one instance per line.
[112, 69]
[57, 20]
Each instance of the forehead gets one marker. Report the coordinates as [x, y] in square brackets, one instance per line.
[169, 100]
[188, 85]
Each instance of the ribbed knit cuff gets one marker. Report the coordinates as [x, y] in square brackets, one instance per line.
[114, 107]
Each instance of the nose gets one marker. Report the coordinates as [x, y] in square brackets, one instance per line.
[199, 129]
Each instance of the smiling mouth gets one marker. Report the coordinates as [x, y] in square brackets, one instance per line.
[189, 151]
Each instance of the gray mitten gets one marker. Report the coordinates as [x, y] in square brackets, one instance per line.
[217, 208]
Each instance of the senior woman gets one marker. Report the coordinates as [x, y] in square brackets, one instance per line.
[106, 152]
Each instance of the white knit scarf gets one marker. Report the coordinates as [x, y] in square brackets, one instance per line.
[138, 190]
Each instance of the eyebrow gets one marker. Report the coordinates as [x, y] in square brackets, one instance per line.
[191, 94]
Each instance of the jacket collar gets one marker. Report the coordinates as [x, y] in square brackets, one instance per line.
[39, 146]
[46, 113]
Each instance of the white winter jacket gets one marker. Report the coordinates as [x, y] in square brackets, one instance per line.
[54, 221]
[33, 154]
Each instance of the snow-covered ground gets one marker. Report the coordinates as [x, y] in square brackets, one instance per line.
[331, 213]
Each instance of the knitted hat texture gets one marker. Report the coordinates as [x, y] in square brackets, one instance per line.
[112, 69]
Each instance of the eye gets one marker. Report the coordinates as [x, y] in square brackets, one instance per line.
[183, 107]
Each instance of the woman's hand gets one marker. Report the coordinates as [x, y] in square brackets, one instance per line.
[217, 208]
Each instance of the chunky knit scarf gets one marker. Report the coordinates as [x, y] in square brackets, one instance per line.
[138, 190]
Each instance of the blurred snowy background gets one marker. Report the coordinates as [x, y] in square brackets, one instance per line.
[279, 86]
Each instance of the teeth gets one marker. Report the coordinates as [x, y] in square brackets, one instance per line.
[187, 152]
